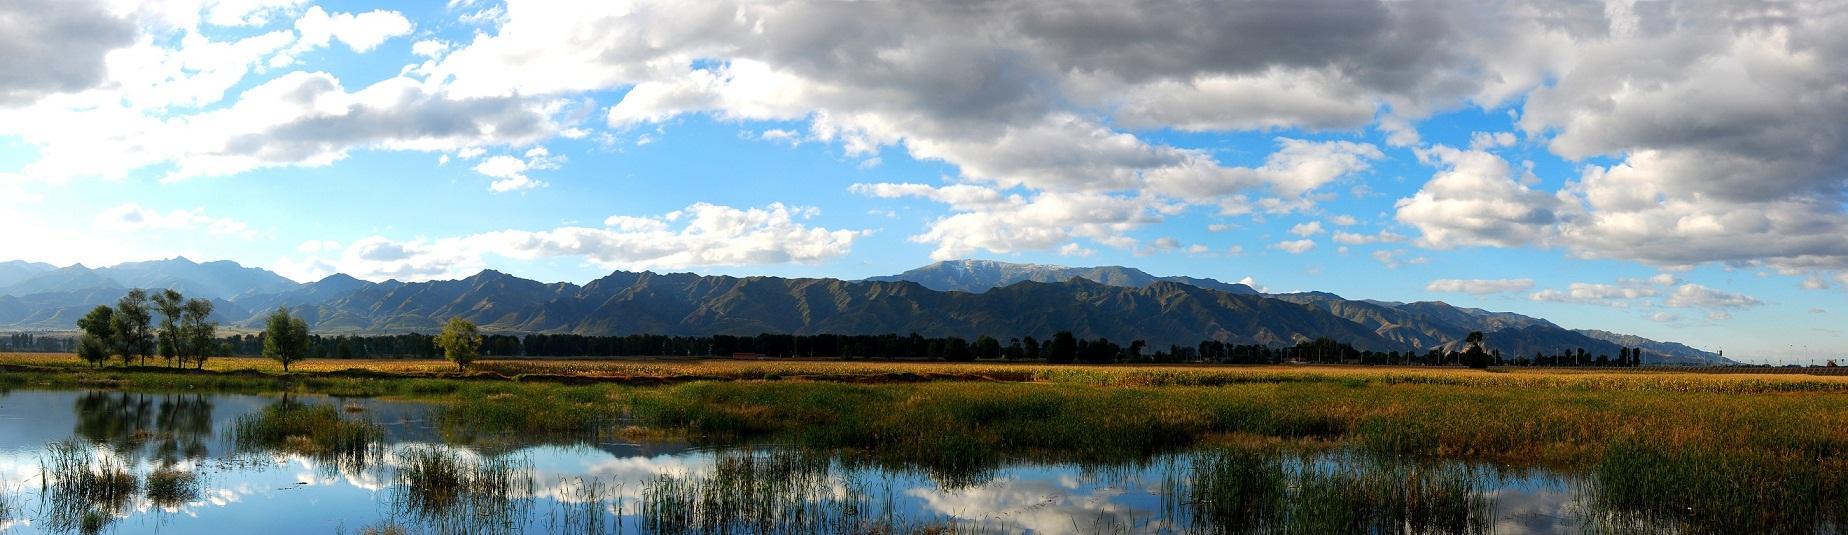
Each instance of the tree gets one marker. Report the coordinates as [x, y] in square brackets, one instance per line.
[198, 334]
[169, 304]
[1030, 349]
[987, 347]
[460, 342]
[1101, 351]
[1475, 357]
[1064, 348]
[92, 349]
[132, 335]
[957, 349]
[285, 338]
[99, 326]
[1135, 349]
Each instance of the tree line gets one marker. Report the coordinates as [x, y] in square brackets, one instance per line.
[1063, 347]
[184, 335]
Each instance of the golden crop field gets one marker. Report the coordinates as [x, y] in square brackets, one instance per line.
[680, 370]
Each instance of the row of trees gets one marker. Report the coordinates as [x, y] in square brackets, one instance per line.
[37, 344]
[184, 333]
[184, 336]
[286, 339]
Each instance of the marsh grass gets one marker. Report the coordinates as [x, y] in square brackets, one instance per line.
[1715, 490]
[169, 487]
[586, 505]
[6, 503]
[1252, 490]
[762, 492]
[81, 490]
[451, 492]
[1647, 437]
[312, 430]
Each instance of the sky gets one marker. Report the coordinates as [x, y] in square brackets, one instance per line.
[1669, 169]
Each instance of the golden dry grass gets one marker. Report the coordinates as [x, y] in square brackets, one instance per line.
[674, 370]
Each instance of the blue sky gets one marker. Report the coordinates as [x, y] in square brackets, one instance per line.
[1509, 156]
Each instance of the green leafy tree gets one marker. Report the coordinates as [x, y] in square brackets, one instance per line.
[99, 326]
[133, 336]
[198, 334]
[987, 347]
[285, 338]
[92, 349]
[460, 342]
[1064, 348]
[1030, 349]
[1475, 357]
[169, 304]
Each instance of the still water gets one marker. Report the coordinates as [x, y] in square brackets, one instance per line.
[105, 461]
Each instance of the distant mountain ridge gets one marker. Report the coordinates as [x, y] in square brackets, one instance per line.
[222, 279]
[976, 276]
[958, 298]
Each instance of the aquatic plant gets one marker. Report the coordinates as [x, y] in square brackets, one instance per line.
[452, 492]
[586, 505]
[313, 430]
[1250, 490]
[169, 487]
[81, 490]
[1716, 490]
[762, 492]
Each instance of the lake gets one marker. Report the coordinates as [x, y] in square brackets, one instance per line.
[122, 462]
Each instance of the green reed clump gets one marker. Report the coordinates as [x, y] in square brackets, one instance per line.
[1717, 490]
[1236, 490]
[454, 493]
[6, 504]
[486, 412]
[314, 430]
[83, 491]
[759, 492]
[1250, 490]
[169, 487]
[586, 506]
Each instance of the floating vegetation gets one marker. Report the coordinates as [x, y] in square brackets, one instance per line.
[170, 488]
[82, 491]
[454, 492]
[313, 430]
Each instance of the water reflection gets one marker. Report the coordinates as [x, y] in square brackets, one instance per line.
[90, 462]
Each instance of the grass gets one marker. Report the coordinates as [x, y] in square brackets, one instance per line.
[761, 492]
[264, 373]
[313, 430]
[170, 488]
[83, 491]
[454, 493]
[1243, 489]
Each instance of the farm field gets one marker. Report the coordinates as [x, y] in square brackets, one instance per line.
[675, 369]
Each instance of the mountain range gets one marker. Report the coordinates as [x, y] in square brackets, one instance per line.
[953, 298]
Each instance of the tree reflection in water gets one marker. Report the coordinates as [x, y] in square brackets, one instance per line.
[177, 426]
